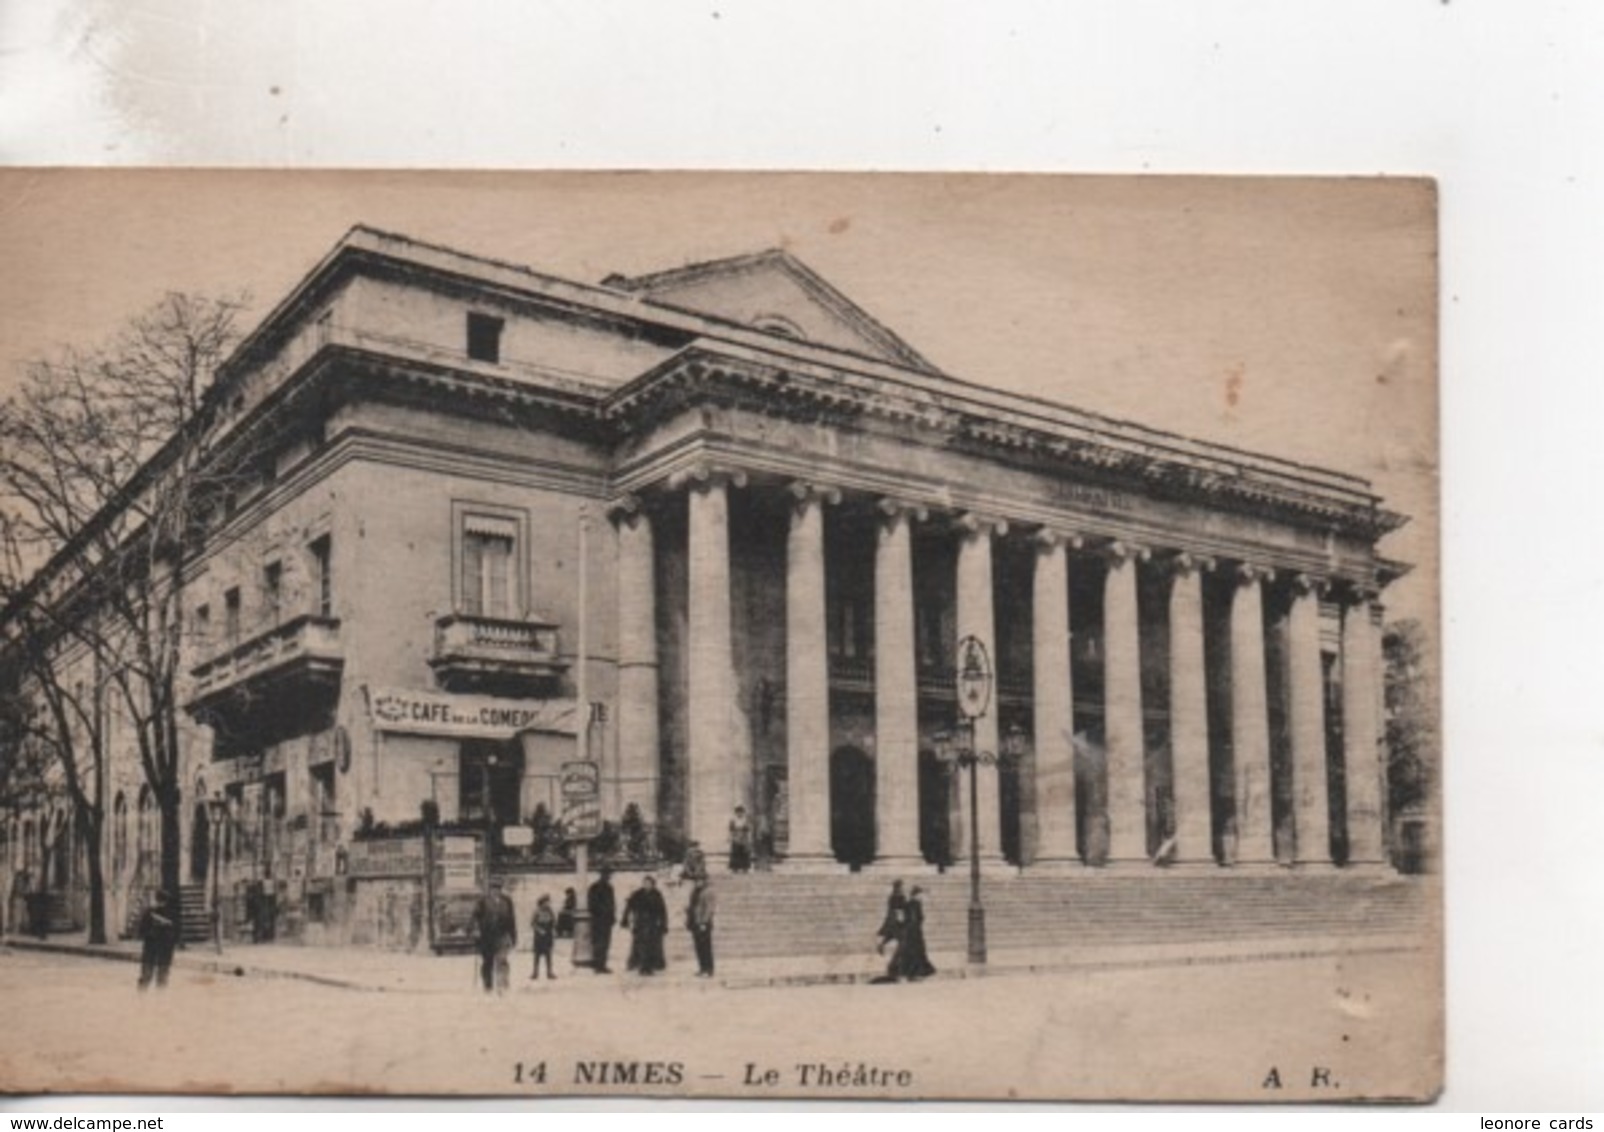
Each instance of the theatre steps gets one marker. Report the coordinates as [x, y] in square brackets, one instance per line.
[773, 914]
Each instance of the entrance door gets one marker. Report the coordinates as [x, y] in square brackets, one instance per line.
[935, 809]
[491, 782]
[200, 845]
[852, 806]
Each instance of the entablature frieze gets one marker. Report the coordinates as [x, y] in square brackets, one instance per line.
[967, 513]
[1145, 463]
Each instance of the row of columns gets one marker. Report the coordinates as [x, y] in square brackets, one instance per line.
[719, 746]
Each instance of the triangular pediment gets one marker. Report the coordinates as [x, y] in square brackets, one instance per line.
[774, 292]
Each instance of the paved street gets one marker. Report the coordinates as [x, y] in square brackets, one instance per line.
[1199, 1030]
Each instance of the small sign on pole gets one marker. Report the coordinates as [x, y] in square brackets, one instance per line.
[581, 800]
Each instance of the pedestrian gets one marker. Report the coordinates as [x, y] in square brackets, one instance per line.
[765, 843]
[896, 916]
[699, 919]
[496, 930]
[912, 961]
[740, 842]
[543, 926]
[565, 915]
[695, 867]
[603, 908]
[158, 935]
[646, 916]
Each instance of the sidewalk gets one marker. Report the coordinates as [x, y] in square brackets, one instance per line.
[367, 969]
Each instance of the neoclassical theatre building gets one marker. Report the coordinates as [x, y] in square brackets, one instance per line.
[747, 525]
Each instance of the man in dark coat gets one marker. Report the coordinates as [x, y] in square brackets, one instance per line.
[646, 915]
[158, 935]
[699, 918]
[603, 914]
[896, 913]
[495, 926]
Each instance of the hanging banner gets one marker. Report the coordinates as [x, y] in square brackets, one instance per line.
[481, 717]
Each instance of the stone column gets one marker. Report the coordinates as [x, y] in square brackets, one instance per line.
[1054, 722]
[1306, 692]
[807, 680]
[896, 690]
[1189, 722]
[717, 749]
[1361, 696]
[976, 618]
[1250, 720]
[638, 753]
[1122, 706]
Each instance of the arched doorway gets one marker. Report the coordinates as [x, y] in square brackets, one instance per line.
[935, 809]
[200, 845]
[852, 806]
[1009, 796]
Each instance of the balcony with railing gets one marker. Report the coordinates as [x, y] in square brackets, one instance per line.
[936, 680]
[474, 653]
[288, 663]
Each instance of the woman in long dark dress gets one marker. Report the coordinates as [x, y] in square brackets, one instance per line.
[646, 917]
[912, 961]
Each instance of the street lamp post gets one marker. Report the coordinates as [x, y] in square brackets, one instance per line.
[218, 807]
[974, 687]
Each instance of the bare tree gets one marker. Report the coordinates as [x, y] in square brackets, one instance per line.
[109, 461]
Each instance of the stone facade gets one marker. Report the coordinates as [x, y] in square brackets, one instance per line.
[782, 520]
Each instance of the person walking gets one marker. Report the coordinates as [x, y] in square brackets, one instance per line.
[912, 961]
[895, 919]
[603, 910]
[496, 930]
[543, 927]
[565, 915]
[158, 935]
[740, 841]
[646, 916]
[699, 918]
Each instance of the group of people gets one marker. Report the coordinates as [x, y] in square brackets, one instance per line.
[645, 917]
[903, 930]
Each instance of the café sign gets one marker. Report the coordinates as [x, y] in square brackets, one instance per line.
[482, 717]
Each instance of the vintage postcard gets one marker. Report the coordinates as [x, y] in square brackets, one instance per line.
[720, 635]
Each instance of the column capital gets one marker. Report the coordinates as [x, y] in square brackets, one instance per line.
[972, 525]
[893, 511]
[1048, 539]
[805, 493]
[1117, 552]
[1306, 585]
[1184, 562]
[1351, 592]
[705, 475]
[625, 510]
[1246, 573]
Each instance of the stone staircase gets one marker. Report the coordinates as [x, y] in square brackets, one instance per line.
[194, 920]
[776, 914]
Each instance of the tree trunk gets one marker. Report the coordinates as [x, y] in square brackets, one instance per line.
[97, 878]
[171, 834]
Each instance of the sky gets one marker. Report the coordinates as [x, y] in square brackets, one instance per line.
[1294, 317]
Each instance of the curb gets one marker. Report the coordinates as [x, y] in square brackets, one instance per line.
[1371, 946]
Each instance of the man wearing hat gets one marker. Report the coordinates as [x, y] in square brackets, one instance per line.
[496, 929]
[603, 914]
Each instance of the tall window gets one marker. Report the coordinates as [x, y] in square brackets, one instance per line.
[322, 576]
[484, 337]
[203, 627]
[231, 612]
[119, 836]
[489, 549]
[272, 592]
